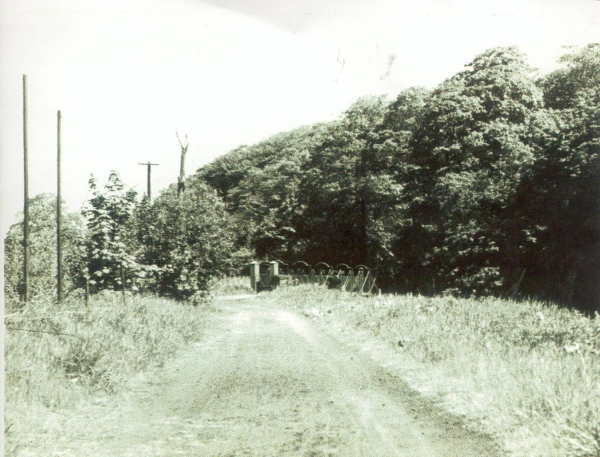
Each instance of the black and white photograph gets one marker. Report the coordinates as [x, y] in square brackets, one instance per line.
[300, 228]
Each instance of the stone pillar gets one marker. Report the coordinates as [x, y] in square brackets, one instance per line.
[254, 275]
[274, 268]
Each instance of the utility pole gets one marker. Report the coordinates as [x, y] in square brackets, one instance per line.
[58, 216]
[149, 165]
[26, 198]
[181, 179]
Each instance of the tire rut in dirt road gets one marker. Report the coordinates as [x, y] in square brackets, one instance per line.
[267, 382]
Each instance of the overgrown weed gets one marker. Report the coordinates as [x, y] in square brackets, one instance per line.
[58, 356]
[527, 372]
[231, 285]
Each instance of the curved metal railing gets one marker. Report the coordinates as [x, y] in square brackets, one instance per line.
[359, 279]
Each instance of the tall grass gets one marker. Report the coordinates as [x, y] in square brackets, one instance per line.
[529, 374]
[231, 285]
[57, 357]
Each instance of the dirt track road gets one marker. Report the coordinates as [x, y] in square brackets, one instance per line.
[269, 382]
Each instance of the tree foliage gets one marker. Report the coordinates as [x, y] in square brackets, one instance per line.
[42, 251]
[337, 188]
[108, 254]
[260, 186]
[186, 239]
[470, 153]
[486, 184]
[561, 198]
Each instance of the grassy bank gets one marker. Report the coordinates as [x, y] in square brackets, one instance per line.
[59, 358]
[526, 373]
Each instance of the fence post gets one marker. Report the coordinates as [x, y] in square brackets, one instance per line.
[122, 283]
[58, 215]
[25, 198]
[254, 275]
[87, 291]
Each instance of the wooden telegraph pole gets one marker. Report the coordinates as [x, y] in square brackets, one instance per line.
[58, 217]
[181, 179]
[149, 165]
[26, 198]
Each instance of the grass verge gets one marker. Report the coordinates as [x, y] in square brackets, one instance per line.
[60, 357]
[231, 285]
[526, 373]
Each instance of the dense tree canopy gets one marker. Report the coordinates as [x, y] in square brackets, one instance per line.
[561, 196]
[260, 185]
[486, 184]
[335, 188]
[470, 152]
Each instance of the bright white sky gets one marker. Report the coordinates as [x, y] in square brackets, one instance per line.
[126, 74]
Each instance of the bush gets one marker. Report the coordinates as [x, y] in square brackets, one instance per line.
[42, 251]
[275, 281]
[187, 238]
[109, 255]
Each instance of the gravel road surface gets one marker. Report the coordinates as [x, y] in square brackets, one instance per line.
[269, 382]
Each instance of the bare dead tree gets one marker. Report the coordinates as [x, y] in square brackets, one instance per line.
[181, 179]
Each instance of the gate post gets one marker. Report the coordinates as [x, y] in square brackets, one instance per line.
[254, 275]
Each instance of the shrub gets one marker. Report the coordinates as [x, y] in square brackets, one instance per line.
[187, 238]
[275, 281]
[42, 251]
[109, 255]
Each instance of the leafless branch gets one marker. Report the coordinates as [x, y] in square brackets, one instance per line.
[180, 143]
